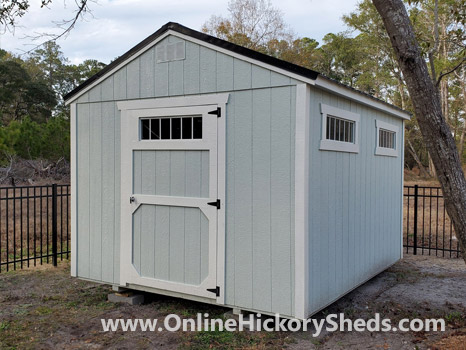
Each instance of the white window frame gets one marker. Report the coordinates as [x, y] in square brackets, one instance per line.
[339, 146]
[383, 151]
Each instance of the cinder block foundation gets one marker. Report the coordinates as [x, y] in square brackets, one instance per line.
[128, 298]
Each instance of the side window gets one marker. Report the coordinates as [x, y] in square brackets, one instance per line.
[386, 139]
[171, 128]
[339, 130]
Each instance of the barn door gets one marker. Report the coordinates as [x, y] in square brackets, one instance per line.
[169, 199]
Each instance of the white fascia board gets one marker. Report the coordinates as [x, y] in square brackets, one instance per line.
[333, 87]
[196, 41]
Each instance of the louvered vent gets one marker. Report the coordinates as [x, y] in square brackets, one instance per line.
[170, 52]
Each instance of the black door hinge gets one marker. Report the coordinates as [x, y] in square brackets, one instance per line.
[215, 290]
[215, 204]
[217, 111]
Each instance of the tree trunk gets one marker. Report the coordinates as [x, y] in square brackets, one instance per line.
[432, 171]
[413, 153]
[463, 133]
[428, 109]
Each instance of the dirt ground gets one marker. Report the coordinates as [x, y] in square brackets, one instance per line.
[44, 308]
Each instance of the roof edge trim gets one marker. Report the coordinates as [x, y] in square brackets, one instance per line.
[359, 96]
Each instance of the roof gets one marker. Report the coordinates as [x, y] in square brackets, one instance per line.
[255, 55]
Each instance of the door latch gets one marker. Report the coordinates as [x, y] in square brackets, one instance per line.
[132, 199]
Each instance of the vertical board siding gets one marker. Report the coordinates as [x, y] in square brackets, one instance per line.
[174, 173]
[207, 71]
[354, 206]
[260, 169]
[191, 66]
[108, 190]
[170, 243]
[95, 190]
[202, 71]
[224, 72]
[242, 74]
[243, 195]
[147, 67]
[281, 196]
[133, 85]
[119, 84]
[260, 199]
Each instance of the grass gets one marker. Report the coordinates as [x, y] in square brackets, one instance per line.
[46, 306]
[221, 339]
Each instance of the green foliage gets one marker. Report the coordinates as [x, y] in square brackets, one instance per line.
[31, 140]
[33, 118]
[21, 96]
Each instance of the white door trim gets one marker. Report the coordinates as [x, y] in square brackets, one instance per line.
[155, 107]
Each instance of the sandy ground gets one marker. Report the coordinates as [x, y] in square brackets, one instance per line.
[44, 308]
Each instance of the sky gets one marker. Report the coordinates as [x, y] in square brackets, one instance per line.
[115, 26]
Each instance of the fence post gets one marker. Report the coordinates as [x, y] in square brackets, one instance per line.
[54, 225]
[416, 187]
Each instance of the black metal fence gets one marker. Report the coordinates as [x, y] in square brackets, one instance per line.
[34, 225]
[427, 228]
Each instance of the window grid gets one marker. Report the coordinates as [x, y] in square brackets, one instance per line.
[339, 129]
[171, 128]
[386, 138]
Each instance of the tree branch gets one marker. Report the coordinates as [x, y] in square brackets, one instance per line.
[66, 25]
[450, 71]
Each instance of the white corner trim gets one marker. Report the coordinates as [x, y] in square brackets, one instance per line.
[402, 155]
[382, 151]
[168, 102]
[74, 198]
[329, 85]
[301, 280]
[339, 146]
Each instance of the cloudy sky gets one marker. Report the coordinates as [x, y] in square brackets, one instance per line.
[117, 25]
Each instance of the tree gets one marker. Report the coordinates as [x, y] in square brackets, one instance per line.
[439, 31]
[251, 23]
[12, 10]
[21, 96]
[428, 109]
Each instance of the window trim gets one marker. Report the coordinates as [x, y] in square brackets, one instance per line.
[383, 151]
[339, 146]
[171, 117]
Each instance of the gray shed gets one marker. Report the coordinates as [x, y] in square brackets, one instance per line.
[211, 172]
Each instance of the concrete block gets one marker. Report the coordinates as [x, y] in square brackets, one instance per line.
[128, 298]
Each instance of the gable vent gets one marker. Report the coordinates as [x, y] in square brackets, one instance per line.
[170, 52]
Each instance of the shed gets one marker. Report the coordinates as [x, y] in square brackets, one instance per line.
[211, 172]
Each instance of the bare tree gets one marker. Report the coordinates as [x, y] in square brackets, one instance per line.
[12, 10]
[251, 23]
[425, 97]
